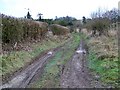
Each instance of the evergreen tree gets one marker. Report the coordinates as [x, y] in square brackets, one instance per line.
[28, 15]
[84, 20]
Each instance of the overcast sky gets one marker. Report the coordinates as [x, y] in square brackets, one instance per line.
[52, 8]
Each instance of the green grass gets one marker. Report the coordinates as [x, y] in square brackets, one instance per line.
[106, 68]
[17, 59]
[51, 76]
[103, 58]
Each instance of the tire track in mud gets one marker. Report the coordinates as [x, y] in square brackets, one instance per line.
[22, 79]
[76, 73]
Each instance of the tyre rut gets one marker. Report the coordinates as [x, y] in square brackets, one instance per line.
[76, 73]
[22, 79]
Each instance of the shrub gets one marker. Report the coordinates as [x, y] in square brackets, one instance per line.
[59, 30]
[99, 25]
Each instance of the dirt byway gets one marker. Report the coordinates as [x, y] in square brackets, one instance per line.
[75, 74]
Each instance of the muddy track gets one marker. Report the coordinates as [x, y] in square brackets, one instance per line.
[76, 73]
[23, 78]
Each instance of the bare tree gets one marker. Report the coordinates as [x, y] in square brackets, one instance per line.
[39, 15]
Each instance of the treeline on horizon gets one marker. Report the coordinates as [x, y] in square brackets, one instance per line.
[21, 30]
[27, 29]
[24, 30]
[101, 21]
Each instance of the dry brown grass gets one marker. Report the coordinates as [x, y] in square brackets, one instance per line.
[112, 33]
[104, 57]
[105, 46]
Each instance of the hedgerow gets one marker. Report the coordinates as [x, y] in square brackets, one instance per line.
[59, 30]
[20, 29]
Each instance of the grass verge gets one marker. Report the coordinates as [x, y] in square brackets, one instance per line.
[103, 59]
[106, 68]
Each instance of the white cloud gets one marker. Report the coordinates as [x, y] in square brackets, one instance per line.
[52, 8]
